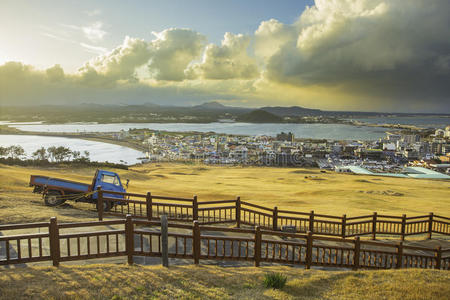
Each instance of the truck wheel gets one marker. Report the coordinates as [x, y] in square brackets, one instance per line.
[106, 206]
[53, 198]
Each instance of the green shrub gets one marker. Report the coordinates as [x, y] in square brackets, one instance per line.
[274, 280]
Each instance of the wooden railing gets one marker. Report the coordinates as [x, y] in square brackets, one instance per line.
[150, 207]
[21, 241]
[210, 213]
[147, 206]
[141, 238]
[252, 214]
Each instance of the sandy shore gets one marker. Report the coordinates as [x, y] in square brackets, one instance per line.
[393, 126]
[89, 137]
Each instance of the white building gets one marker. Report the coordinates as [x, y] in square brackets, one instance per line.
[389, 146]
[447, 132]
[393, 137]
[439, 132]
[240, 153]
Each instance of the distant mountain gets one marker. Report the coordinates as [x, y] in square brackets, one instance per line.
[207, 111]
[210, 105]
[219, 107]
[150, 104]
[298, 111]
[82, 105]
[259, 116]
[293, 111]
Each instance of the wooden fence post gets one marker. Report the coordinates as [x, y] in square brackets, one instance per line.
[438, 255]
[275, 219]
[196, 242]
[257, 246]
[311, 221]
[195, 209]
[344, 222]
[238, 212]
[100, 203]
[374, 226]
[403, 229]
[148, 204]
[356, 253]
[164, 241]
[129, 238]
[309, 244]
[54, 241]
[399, 255]
[430, 225]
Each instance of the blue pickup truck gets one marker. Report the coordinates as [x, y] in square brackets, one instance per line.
[56, 191]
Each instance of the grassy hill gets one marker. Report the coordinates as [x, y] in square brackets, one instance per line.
[259, 116]
[288, 188]
[295, 189]
[211, 282]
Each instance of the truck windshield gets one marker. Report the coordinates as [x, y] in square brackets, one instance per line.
[110, 179]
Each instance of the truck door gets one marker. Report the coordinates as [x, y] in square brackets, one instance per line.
[109, 181]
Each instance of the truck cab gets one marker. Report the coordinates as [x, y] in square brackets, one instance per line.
[107, 181]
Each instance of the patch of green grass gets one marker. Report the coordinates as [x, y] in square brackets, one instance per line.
[274, 280]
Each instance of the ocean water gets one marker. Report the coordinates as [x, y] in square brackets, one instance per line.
[98, 151]
[315, 131]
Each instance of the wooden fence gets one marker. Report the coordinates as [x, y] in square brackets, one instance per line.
[137, 238]
[151, 207]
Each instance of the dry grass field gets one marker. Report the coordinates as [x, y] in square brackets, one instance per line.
[295, 189]
[288, 188]
[211, 282]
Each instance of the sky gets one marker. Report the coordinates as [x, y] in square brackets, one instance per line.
[365, 55]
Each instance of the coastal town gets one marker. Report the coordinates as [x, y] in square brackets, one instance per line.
[400, 147]
[388, 154]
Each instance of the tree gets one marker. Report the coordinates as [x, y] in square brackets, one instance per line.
[76, 154]
[40, 154]
[51, 152]
[16, 151]
[86, 155]
[4, 151]
[62, 153]
[19, 151]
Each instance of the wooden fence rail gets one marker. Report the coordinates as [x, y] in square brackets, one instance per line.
[150, 207]
[137, 237]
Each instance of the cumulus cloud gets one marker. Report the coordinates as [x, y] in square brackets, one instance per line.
[172, 51]
[391, 48]
[270, 36]
[119, 64]
[339, 54]
[22, 84]
[55, 73]
[230, 60]
[166, 58]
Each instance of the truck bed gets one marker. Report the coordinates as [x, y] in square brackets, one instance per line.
[73, 186]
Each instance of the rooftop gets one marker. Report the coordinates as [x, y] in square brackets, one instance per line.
[410, 172]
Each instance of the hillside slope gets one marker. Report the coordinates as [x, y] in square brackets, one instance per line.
[288, 188]
[296, 189]
[211, 282]
[259, 116]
